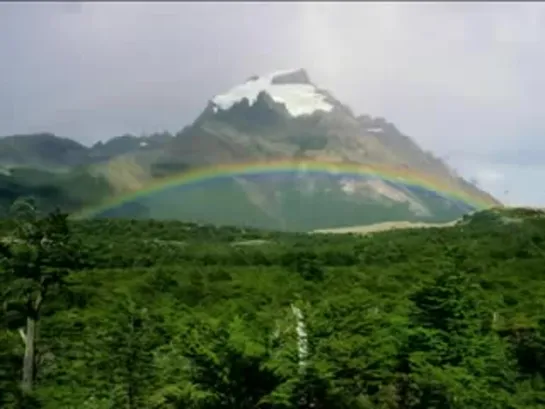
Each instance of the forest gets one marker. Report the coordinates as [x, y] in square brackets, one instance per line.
[105, 313]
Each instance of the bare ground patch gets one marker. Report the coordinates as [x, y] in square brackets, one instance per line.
[373, 228]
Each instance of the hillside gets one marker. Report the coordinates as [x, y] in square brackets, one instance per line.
[176, 315]
[42, 150]
[54, 153]
[282, 117]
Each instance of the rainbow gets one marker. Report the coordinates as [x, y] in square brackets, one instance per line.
[397, 175]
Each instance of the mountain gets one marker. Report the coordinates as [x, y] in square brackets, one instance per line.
[51, 152]
[40, 150]
[57, 171]
[282, 115]
[121, 145]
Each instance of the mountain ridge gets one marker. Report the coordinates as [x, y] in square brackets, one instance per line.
[273, 116]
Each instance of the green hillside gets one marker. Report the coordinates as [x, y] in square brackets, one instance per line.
[280, 203]
[158, 314]
[67, 191]
[41, 150]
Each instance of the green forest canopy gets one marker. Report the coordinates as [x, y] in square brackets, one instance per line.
[173, 315]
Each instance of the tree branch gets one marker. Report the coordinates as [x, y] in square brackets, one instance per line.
[39, 300]
[23, 336]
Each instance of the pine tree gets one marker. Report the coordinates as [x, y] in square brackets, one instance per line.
[453, 359]
[35, 261]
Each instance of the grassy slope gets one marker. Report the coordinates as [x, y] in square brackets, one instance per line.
[287, 205]
[284, 204]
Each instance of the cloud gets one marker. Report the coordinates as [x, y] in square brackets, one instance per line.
[463, 79]
[489, 176]
[449, 75]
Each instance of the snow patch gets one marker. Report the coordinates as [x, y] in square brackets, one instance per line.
[375, 130]
[385, 190]
[348, 186]
[397, 195]
[299, 99]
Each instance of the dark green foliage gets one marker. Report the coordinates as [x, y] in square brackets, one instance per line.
[35, 259]
[169, 315]
[306, 264]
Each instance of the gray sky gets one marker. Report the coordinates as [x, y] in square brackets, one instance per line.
[465, 80]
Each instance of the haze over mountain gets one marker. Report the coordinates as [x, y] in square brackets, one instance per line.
[282, 115]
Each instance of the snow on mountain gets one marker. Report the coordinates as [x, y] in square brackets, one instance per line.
[299, 96]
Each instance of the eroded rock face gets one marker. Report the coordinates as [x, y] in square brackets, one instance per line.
[295, 77]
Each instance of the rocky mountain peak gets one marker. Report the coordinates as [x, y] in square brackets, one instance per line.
[291, 88]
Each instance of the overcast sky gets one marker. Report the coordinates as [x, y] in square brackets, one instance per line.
[465, 80]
